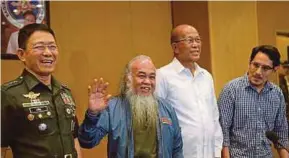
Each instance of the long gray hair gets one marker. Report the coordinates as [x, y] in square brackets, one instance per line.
[127, 74]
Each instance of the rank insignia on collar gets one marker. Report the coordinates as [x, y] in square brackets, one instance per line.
[67, 99]
[31, 95]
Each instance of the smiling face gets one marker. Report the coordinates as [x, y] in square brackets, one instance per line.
[187, 47]
[143, 75]
[40, 55]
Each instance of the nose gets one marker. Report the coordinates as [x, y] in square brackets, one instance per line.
[195, 43]
[47, 51]
[147, 81]
[259, 70]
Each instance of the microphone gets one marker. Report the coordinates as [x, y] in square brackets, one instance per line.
[275, 139]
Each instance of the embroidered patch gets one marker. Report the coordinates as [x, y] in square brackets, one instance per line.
[67, 99]
[166, 120]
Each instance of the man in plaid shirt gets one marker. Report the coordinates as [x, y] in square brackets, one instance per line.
[251, 105]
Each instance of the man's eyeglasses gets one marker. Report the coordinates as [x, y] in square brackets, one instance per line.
[42, 47]
[264, 68]
[189, 40]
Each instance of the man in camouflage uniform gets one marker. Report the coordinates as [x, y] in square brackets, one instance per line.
[37, 112]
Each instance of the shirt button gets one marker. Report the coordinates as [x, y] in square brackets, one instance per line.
[259, 108]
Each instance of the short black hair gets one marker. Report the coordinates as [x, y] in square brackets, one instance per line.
[28, 30]
[271, 51]
[29, 12]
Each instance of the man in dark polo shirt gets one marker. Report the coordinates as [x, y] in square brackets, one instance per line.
[37, 112]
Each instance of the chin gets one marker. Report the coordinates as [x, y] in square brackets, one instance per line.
[45, 73]
[195, 59]
[257, 84]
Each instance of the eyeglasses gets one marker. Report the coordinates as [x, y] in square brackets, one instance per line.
[41, 47]
[264, 68]
[189, 40]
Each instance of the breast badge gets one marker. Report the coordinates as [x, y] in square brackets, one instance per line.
[33, 100]
[42, 127]
[30, 117]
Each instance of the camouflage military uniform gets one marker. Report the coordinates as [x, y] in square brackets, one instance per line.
[38, 121]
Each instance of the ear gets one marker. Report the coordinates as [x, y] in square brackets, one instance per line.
[21, 54]
[174, 47]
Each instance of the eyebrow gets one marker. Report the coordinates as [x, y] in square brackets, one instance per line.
[141, 72]
[262, 64]
[51, 42]
[193, 37]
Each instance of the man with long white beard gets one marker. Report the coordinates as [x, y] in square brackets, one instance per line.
[138, 124]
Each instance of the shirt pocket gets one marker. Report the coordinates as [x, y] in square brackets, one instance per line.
[41, 120]
[270, 109]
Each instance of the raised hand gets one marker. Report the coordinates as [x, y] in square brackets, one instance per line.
[97, 96]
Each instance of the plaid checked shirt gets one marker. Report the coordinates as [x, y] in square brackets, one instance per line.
[245, 116]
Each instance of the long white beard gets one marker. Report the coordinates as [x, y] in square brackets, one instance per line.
[144, 109]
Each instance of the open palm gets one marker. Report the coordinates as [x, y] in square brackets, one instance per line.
[97, 95]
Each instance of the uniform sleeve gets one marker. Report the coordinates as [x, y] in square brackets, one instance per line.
[93, 129]
[76, 127]
[6, 119]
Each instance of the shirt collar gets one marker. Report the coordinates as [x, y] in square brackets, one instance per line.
[32, 81]
[178, 67]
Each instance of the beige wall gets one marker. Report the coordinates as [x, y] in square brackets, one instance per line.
[237, 27]
[282, 42]
[233, 32]
[97, 39]
[10, 69]
[272, 17]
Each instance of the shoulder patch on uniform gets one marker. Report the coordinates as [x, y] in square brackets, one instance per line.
[12, 83]
[65, 86]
